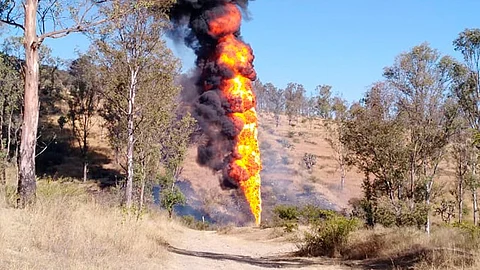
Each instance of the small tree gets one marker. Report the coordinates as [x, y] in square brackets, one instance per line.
[309, 160]
[466, 88]
[334, 132]
[171, 194]
[276, 101]
[294, 96]
[83, 103]
[10, 104]
[324, 101]
[134, 59]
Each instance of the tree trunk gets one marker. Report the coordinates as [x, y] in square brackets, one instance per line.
[475, 207]
[474, 195]
[26, 181]
[9, 133]
[412, 182]
[131, 139]
[427, 202]
[142, 189]
[85, 152]
[3, 164]
[144, 180]
[460, 199]
[85, 170]
[342, 175]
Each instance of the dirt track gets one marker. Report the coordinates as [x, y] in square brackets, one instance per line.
[241, 248]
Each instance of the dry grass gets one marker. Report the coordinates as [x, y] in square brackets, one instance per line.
[404, 248]
[68, 229]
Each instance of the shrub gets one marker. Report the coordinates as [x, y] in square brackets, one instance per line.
[195, 224]
[285, 143]
[309, 160]
[296, 140]
[312, 214]
[286, 216]
[328, 237]
[291, 134]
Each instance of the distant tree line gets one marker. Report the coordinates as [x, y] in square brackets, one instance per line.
[424, 115]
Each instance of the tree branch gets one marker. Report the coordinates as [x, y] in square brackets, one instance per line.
[66, 31]
[8, 20]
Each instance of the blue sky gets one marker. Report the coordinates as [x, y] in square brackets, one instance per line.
[343, 43]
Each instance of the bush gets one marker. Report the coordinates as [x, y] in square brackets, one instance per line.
[309, 160]
[192, 223]
[382, 212]
[328, 237]
[312, 214]
[296, 140]
[286, 216]
[285, 143]
[291, 134]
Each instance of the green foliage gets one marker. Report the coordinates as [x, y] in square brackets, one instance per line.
[170, 195]
[328, 237]
[286, 216]
[324, 102]
[192, 223]
[389, 215]
[287, 212]
[312, 214]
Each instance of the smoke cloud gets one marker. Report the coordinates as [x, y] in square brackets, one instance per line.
[192, 25]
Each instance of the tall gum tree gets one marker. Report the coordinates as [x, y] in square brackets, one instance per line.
[40, 20]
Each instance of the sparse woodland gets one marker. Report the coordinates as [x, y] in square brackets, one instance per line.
[414, 139]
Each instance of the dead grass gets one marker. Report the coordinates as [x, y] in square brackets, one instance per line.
[406, 248]
[68, 229]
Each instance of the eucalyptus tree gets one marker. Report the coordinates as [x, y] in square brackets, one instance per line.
[40, 20]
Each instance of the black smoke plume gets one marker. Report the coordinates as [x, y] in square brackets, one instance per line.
[190, 19]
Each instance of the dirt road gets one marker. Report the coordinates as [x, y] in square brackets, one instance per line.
[240, 248]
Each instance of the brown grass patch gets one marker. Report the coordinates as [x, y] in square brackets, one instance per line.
[68, 229]
[407, 248]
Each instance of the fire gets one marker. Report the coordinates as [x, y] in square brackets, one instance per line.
[237, 57]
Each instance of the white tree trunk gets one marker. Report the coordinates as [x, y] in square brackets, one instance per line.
[26, 181]
[131, 138]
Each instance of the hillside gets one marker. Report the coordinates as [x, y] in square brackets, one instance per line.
[284, 179]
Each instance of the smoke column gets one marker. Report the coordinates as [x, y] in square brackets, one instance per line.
[225, 108]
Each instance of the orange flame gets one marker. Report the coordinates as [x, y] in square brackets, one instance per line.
[236, 56]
